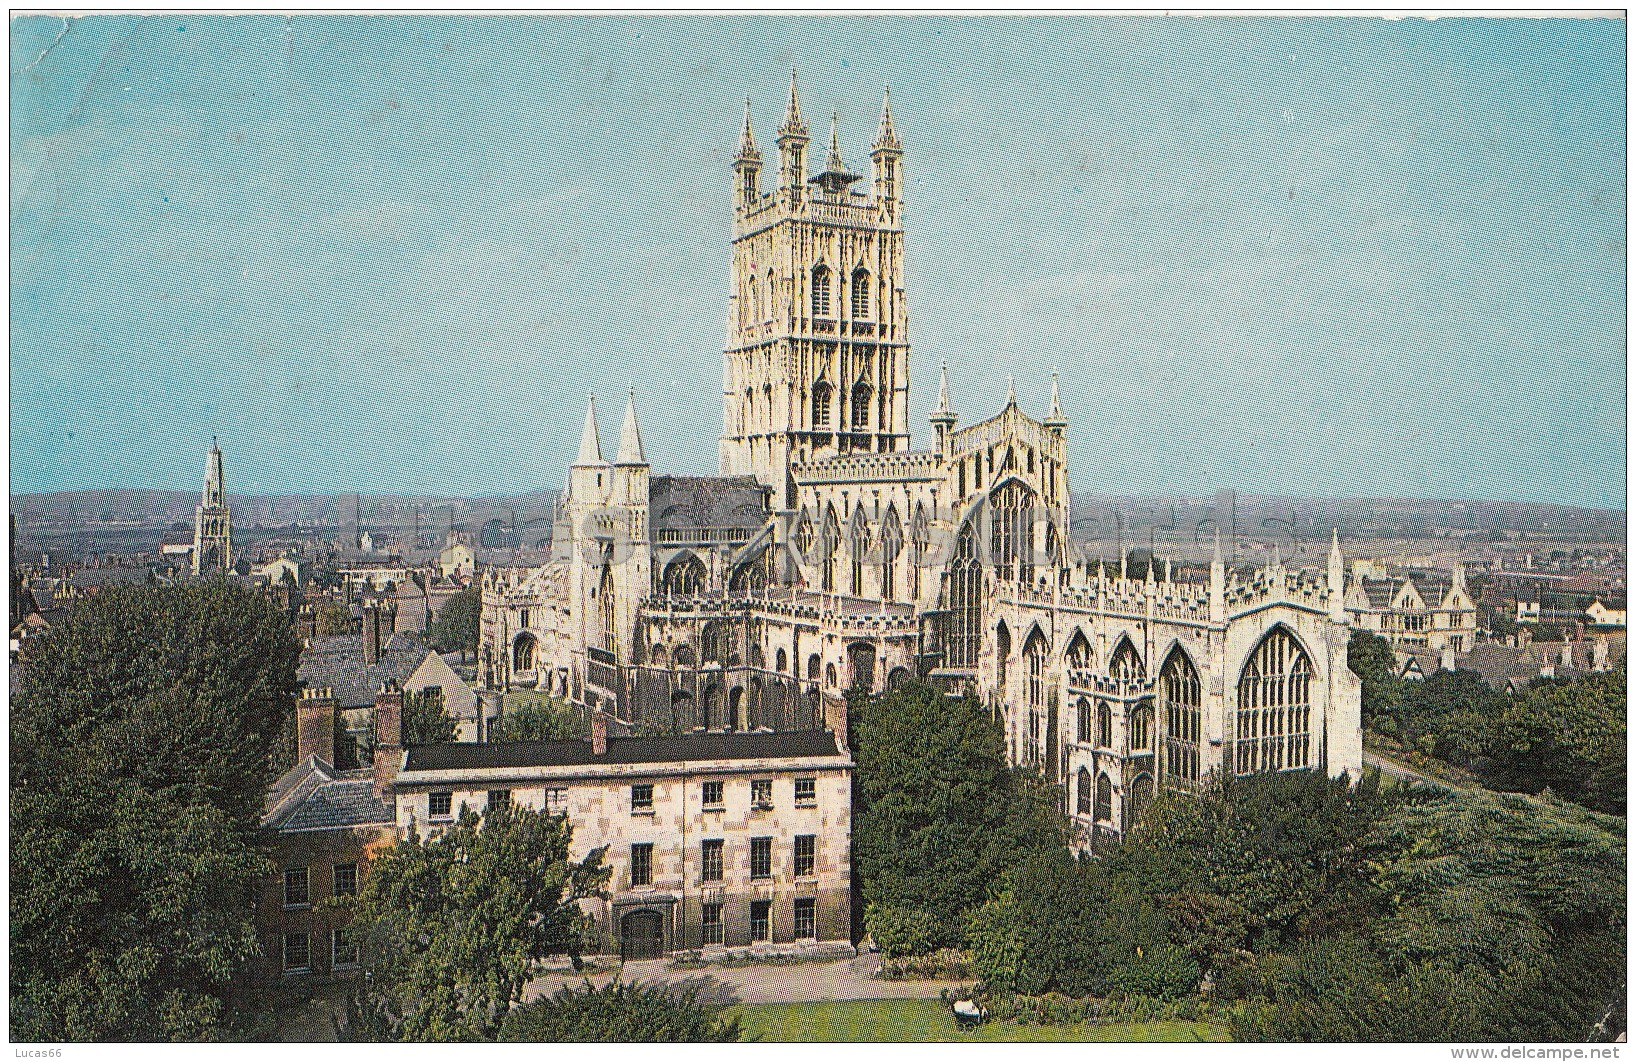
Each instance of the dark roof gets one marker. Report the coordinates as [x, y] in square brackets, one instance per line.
[337, 661]
[315, 796]
[1380, 592]
[462, 756]
[99, 577]
[707, 501]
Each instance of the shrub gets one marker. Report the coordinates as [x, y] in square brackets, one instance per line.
[620, 1013]
[899, 930]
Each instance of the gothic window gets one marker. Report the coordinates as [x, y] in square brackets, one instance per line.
[715, 643]
[1141, 727]
[813, 664]
[860, 407]
[768, 304]
[920, 537]
[860, 293]
[1104, 798]
[1084, 789]
[862, 656]
[963, 597]
[820, 291]
[606, 592]
[822, 394]
[1083, 711]
[1274, 706]
[522, 653]
[857, 544]
[782, 660]
[804, 534]
[1179, 691]
[684, 576]
[1104, 725]
[1002, 656]
[712, 707]
[656, 656]
[1079, 660]
[749, 578]
[1034, 659]
[1126, 665]
[830, 679]
[683, 656]
[829, 543]
[1011, 518]
[1141, 794]
[735, 709]
[891, 546]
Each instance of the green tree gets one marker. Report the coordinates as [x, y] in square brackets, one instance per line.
[458, 624]
[539, 719]
[1371, 659]
[452, 926]
[621, 1012]
[332, 619]
[938, 813]
[424, 720]
[1565, 735]
[143, 738]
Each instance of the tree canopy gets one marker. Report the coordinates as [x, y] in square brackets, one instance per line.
[143, 737]
[621, 1012]
[458, 624]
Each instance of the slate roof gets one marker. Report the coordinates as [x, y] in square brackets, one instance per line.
[99, 577]
[337, 661]
[315, 796]
[707, 501]
[1380, 592]
[461, 756]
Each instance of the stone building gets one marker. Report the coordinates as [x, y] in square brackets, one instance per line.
[724, 841]
[1416, 615]
[829, 554]
[213, 520]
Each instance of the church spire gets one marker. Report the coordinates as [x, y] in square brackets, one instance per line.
[630, 436]
[747, 139]
[835, 176]
[1055, 419]
[793, 125]
[590, 443]
[886, 137]
[1010, 390]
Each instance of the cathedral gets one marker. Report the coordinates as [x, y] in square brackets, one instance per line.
[829, 555]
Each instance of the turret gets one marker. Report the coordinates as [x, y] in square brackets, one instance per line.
[747, 163]
[886, 159]
[588, 475]
[943, 417]
[1337, 578]
[792, 146]
[213, 488]
[630, 465]
[1054, 420]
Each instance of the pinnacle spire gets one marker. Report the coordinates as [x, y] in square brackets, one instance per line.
[1010, 390]
[886, 137]
[747, 140]
[590, 442]
[943, 388]
[630, 436]
[1055, 417]
[793, 125]
[834, 162]
[835, 177]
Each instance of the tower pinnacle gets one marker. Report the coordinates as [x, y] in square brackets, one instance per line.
[747, 140]
[886, 137]
[835, 177]
[793, 125]
[1055, 419]
[630, 436]
[590, 443]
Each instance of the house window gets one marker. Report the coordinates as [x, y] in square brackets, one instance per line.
[297, 953]
[343, 949]
[806, 919]
[641, 864]
[346, 879]
[712, 923]
[806, 791]
[761, 792]
[297, 891]
[710, 860]
[556, 801]
[806, 855]
[712, 794]
[761, 920]
[761, 857]
[499, 799]
[642, 798]
[441, 805]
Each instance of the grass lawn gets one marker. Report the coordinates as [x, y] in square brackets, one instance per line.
[922, 1020]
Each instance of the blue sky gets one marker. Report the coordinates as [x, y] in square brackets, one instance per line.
[1330, 257]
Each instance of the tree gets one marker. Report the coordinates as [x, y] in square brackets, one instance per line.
[621, 1012]
[541, 719]
[938, 814]
[143, 738]
[332, 619]
[451, 927]
[458, 624]
[1565, 735]
[424, 720]
[1371, 659]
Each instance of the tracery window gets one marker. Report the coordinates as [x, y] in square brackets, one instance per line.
[820, 291]
[1274, 706]
[1011, 518]
[1083, 787]
[1126, 666]
[1083, 711]
[829, 542]
[963, 598]
[1180, 693]
[1104, 798]
[1079, 660]
[891, 547]
[860, 293]
[606, 592]
[1002, 658]
[522, 653]
[822, 394]
[1141, 727]
[857, 535]
[1034, 660]
[684, 576]
[920, 539]
[1104, 725]
[804, 534]
[860, 407]
[1141, 795]
[715, 643]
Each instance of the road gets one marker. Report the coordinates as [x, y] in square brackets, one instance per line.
[796, 983]
[1402, 771]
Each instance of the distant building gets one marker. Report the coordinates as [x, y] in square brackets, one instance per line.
[275, 570]
[213, 521]
[457, 560]
[1610, 614]
[1415, 615]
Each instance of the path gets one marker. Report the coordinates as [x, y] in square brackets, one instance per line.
[1403, 771]
[796, 983]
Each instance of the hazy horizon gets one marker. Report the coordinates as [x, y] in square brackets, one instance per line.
[1304, 257]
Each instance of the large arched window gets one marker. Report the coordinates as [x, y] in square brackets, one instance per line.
[860, 407]
[1011, 522]
[964, 600]
[1079, 660]
[820, 291]
[1141, 795]
[822, 400]
[684, 576]
[1104, 798]
[1126, 664]
[891, 546]
[1104, 725]
[920, 539]
[1141, 727]
[1084, 789]
[1274, 706]
[1034, 652]
[860, 293]
[1086, 726]
[857, 545]
[829, 542]
[1180, 693]
[861, 655]
[522, 653]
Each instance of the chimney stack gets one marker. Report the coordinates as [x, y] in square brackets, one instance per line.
[599, 732]
[315, 725]
[388, 735]
[372, 635]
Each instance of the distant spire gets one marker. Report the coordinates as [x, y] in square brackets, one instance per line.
[1055, 419]
[1010, 390]
[590, 443]
[747, 140]
[943, 389]
[630, 436]
[793, 125]
[886, 137]
[834, 161]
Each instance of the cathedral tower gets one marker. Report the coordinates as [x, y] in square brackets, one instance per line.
[817, 354]
[213, 520]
